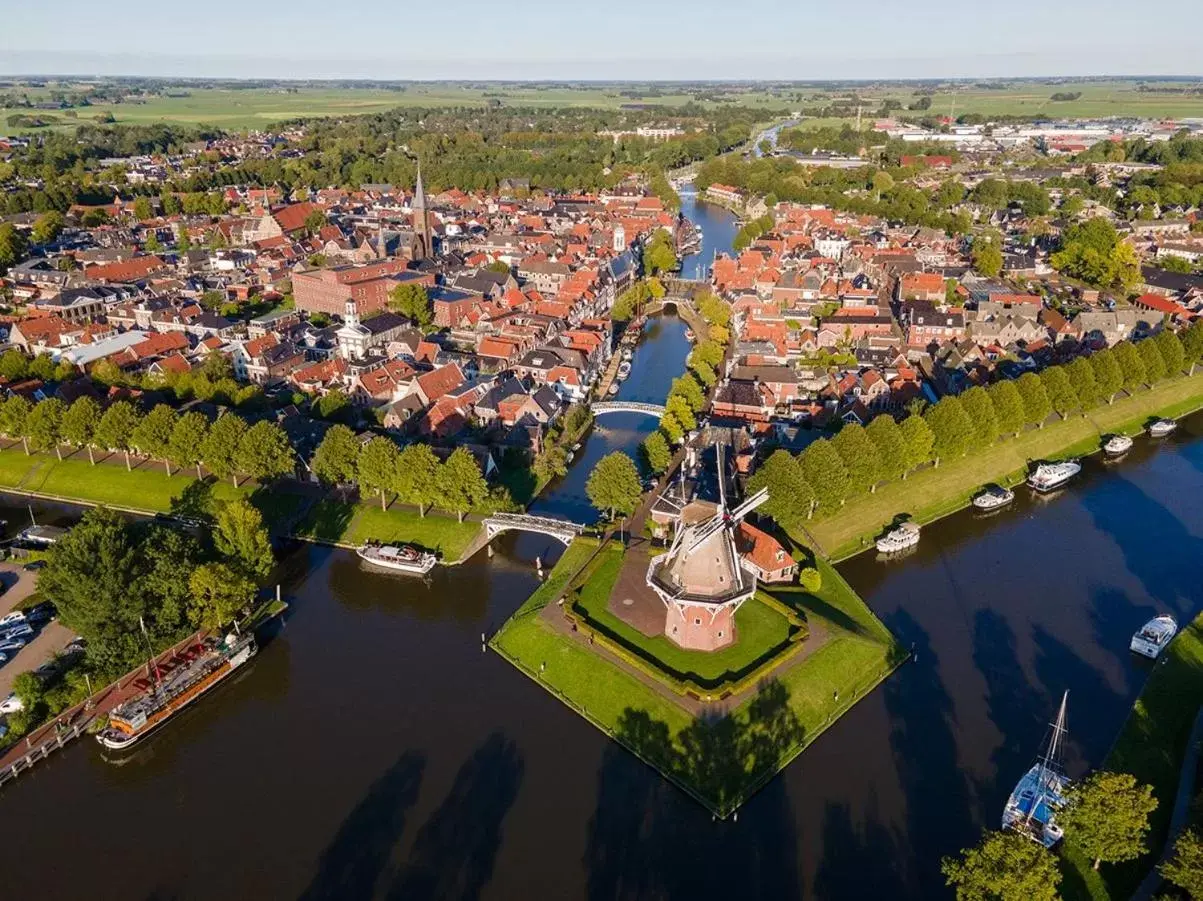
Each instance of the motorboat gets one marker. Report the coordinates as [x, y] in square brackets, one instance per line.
[613, 389]
[398, 558]
[1153, 636]
[689, 335]
[1162, 427]
[624, 369]
[993, 498]
[1117, 445]
[627, 353]
[1051, 476]
[903, 536]
[1032, 807]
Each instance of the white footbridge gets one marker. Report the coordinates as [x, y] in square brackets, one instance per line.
[618, 406]
[564, 530]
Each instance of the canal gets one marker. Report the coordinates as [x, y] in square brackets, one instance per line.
[373, 750]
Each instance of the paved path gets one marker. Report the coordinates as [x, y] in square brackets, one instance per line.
[1182, 804]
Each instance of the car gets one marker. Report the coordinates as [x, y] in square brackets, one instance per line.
[20, 630]
[33, 565]
[11, 704]
[11, 644]
[16, 616]
[41, 613]
[3, 659]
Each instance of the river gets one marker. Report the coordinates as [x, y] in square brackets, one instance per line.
[373, 750]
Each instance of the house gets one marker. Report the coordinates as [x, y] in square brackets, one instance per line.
[764, 554]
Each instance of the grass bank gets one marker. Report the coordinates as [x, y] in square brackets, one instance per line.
[343, 523]
[1151, 746]
[934, 492]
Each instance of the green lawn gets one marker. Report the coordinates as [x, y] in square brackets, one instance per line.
[353, 524]
[935, 492]
[1151, 747]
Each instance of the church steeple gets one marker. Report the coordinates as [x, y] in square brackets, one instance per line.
[423, 246]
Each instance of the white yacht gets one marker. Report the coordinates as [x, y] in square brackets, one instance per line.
[1162, 427]
[624, 369]
[1051, 476]
[399, 558]
[1117, 445]
[993, 498]
[1031, 809]
[899, 538]
[613, 388]
[1153, 636]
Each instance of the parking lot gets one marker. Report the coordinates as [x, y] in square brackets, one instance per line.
[49, 639]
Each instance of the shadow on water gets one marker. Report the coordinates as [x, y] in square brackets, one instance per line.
[453, 853]
[923, 739]
[352, 863]
[857, 862]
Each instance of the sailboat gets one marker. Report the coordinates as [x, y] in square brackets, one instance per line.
[1031, 810]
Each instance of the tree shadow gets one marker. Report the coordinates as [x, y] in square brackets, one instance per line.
[195, 501]
[354, 860]
[453, 853]
[722, 759]
[327, 520]
[858, 863]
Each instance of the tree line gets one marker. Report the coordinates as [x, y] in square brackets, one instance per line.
[830, 472]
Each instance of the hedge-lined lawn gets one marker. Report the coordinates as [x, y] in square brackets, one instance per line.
[1152, 744]
[934, 492]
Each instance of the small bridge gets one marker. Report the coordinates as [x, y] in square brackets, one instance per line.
[677, 288]
[562, 529]
[617, 406]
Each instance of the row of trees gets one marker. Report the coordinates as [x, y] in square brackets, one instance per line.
[831, 471]
[412, 474]
[227, 447]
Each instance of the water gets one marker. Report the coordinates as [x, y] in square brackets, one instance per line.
[718, 227]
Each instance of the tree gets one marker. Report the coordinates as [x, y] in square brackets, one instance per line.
[883, 183]
[336, 459]
[1036, 405]
[810, 579]
[14, 414]
[44, 426]
[1154, 362]
[672, 428]
[860, 458]
[951, 428]
[614, 485]
[1185, 868]
[415, 477]
[714, 309]
[241, 537]
[704, 373]
[79, 424]
[917, 441]
[187, 438]
[460, 484]
[48, 227]
[219, 451]
[1108, 376]
[218, 594]
[314, 221]
[1172, 352]
[12, 247]
[824, 470]
[1004, 866]
[142, 209]
[333, 405]
[657, 452]
[116, 426]
[987, 258]
[1131, 365]
[1093, 252]
[14, 365]
[265, 453]
[152, 437]
[690, 391]
[790, 495]
[1060, 392]
[412, 301]
[1192, 344]
[378, 467]
[709, 352]
[1082, 382]
[660, 255]
[980, 410]
[883, 431]
[1107, 816]
[681, 411]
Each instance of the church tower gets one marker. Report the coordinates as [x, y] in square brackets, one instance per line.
[423, 246]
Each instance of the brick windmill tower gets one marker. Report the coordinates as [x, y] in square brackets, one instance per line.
[703, 579]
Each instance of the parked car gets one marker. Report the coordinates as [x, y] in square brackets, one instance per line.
[41, 613]
[33, 565]
[20, 630]
[11, 704]
[17, 616]
[11, 645]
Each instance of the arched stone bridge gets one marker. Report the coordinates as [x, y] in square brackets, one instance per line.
[602, 407]
[562, 529]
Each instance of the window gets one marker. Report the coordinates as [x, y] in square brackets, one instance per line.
[720, 633]
[697, 621]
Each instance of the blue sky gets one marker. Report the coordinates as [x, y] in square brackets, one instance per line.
[610, 39]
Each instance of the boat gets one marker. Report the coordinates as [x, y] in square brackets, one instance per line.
[899, 538]
[613, 388]
[1031, 810]
[193, 672]
[689, 335]
[1117, 445]
[1051, 476]
[1153, 636]
[627, 353]
[993, 498]
[1162, 427]
[39, 536]
[399, 558]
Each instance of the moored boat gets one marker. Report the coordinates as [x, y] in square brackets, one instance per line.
[193, 672]
[1032, 807]
[994, 497]
[624, 370]
[1153, 636]
[613, 388]
[903, 536]
[398, 558]
[1117, 445]
[1051, 476]
[1162, 427]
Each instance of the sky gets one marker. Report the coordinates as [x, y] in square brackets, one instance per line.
[599, 40]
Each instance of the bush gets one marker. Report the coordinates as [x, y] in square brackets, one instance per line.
[810, 579]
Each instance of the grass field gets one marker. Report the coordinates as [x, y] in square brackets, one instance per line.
[719, 762]
[935, 492]
[345, 523]
[1151, 747]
